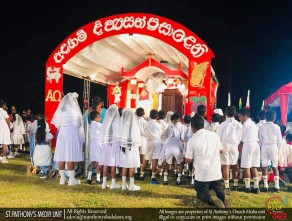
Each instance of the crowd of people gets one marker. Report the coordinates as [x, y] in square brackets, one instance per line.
[230, 147]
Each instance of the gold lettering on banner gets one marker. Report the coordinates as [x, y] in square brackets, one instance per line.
[54, 96]
[198, 74]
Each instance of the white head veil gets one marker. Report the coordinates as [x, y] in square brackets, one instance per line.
[68, 113]
[129, 129]
[18, 127]
[110, 126]
[168, 117]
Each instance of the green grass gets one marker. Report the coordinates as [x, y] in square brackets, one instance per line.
[22, 191]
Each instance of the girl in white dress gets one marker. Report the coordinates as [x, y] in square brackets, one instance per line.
[68, 120]
[17, 138]
[130, 139]
[4, 131]
[110, 150]
[42, 153]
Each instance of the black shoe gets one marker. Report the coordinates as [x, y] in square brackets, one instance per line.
[154, 181]
[265, 190]
[235, 188]
[255, 190]
[88, 182]
[261, 182]
[165, 183]
[244, 189]
[54, 174]
[141, 178]
[240, 181]
[276, 190]
[178, 183]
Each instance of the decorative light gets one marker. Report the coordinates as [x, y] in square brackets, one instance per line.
[133, 81]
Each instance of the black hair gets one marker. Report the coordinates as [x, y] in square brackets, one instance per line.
[262, 115]
[161, 115]
[2, 103]
[216, 118]
[140, 111]
[244, 112]
[164, 82]
[289, 137]
[271, 116]
[40, 134]
[153, 114]
[187, 119]
[93, 114]
[96, 101]
[120, 111]
[223, 118]
[174, 117]
[197, 122]
[201, 110]
[230, 111]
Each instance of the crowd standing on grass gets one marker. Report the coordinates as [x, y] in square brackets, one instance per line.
[205, 155]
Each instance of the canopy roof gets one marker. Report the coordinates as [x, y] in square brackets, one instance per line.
[103, 60]
[274, 99]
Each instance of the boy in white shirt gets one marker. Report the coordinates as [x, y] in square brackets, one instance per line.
[203, 149]
[250, 158]
[153, 136]
[262, 120]
[270, 141]
[215, 122]
[230, 132]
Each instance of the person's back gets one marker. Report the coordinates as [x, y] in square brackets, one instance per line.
[269, 134]
[249, 132]
[153, 131]
[214, 125]
[262, 118]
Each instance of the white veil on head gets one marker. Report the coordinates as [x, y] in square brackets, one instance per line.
[110, 127]
[129, 129]
[18, 125]
[168, 117]
[68, 113]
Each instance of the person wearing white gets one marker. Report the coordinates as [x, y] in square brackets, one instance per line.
[110, 148]
[203, 150]
[270, 139]
[42, 154]
[95, 146]
[5, 138]
[142, 126]
[69, 122]
[201, 111]
[250, 158]
[17, 138]
[130, 139]
[230, 132]
[215, 122]
[153, 136]
[160, 89]
[173, 147]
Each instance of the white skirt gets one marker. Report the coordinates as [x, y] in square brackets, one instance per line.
[17, 139]
[110, 155]
[4, 133]
[130, 158]
[42, 155]
[94, 150]
[69, 145]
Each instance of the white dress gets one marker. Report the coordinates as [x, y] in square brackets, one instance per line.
[4, 129]
[17, 133]
[42, 155]
[95, 144]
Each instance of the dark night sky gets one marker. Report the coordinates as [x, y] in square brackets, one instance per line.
[251, 40]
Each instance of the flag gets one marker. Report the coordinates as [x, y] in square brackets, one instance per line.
[247, 106]
[229, 100]
[263, 105]
[240, 104]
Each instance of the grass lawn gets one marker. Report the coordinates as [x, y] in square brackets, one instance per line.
[21, 191]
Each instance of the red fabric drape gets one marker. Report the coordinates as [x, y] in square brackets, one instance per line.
[123, 97]
[283, 108]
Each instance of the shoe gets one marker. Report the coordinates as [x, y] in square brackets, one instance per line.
[44, 177]
[116, 186]
[255, 190]
[226, 191]
[227, 201]
[244, 189]
[261, 182]
[62, 181]
[265, 190]
[73, 182]
[240, 181]
[235, 188]
[178, 183]
[88, 182]
[104, 186]
[217, 202]
[276, 190]
[54, 174]
[125, 186]
[154, 181]
[134, 188]
[10, 157]
[98, 182]
[141, 178]
[165, 183]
